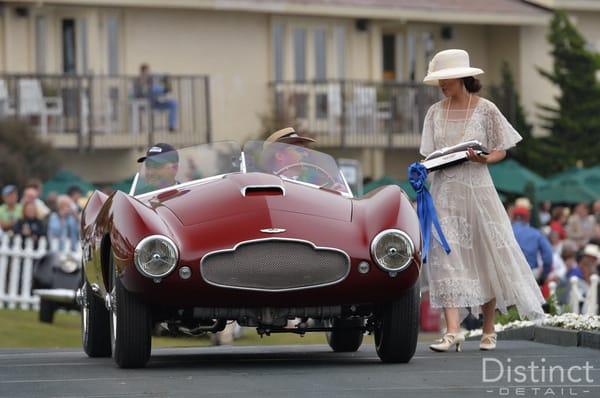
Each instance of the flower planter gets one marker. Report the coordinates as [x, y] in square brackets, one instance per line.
[556, 336]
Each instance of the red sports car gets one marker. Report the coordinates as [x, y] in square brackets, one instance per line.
[264, 235]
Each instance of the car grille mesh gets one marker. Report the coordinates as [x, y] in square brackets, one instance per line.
[275, 265]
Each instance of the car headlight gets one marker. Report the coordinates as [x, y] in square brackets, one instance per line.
[392, 250]
[68, 263]
[156, 256]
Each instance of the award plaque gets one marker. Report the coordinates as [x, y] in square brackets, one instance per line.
[452, 155]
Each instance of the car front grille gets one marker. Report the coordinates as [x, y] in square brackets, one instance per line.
[275, 265]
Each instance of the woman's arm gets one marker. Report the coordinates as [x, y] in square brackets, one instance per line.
[494, 157]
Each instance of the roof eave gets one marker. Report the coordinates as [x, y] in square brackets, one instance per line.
[329, 10]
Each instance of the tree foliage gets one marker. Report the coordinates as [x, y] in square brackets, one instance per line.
[23, 155]
[574, 124]
[528, 152]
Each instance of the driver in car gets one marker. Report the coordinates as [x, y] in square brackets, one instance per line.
[282, 158]
[161, 165]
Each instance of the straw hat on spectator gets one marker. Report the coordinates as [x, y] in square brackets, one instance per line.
[288, 136]
[450, 64]
[592, 251]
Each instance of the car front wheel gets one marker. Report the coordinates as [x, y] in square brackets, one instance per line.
[130, 326]
[397, 328]
[95, 332]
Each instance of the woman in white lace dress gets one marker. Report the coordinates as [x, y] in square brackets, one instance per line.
[485, 268]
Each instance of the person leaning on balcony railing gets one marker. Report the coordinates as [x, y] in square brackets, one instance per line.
[10, 211]
[154, 89]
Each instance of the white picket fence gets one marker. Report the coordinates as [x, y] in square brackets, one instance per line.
[16, 268]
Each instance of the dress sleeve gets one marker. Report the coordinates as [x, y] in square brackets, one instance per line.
[501, 134]
[427, 144]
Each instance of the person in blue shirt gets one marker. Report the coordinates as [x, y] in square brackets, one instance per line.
[532, 242]
[63, 225]
[154, 89]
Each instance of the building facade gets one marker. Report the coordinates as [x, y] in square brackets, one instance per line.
[346, 71]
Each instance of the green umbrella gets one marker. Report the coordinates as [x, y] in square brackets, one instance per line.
[590, 178]
[65, 179]
[511, 177]
[123, 185]
[566, 191]
[387, 180]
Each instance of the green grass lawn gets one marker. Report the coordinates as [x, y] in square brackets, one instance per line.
[21, 329]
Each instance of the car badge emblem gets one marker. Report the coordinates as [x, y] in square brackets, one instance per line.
[272, 230]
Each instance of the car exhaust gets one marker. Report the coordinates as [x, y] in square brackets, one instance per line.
[67, 296]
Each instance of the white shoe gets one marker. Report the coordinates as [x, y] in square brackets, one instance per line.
[447, 341]
[488, 341]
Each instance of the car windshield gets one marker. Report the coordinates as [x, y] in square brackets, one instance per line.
[187, 164]
[291, 162]
[295, 163]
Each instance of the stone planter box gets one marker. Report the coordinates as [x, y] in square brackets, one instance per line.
[556, 336]
[525, 333]
[589, 339]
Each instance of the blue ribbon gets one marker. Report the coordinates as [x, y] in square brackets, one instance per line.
[417, 175]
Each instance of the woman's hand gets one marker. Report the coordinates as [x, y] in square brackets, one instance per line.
[475, 157]
[494, 157]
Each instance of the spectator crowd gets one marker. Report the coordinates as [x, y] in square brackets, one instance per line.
[566, 243]
[24, 213]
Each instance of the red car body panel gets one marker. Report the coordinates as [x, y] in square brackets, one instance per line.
[215, 215]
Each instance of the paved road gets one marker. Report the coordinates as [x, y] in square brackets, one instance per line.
[302, 371]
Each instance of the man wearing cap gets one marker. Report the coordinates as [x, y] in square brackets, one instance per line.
[532, 243]
[10, 211]
[161, 164]
[284, 148]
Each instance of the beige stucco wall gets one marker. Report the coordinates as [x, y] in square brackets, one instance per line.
[233, 49]
[16, 46]
[534, 88]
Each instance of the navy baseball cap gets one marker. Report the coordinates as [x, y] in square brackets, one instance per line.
[8, 189]
[168, 152]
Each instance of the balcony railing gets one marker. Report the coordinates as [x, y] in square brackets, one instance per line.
[348, 113]
[96, 112]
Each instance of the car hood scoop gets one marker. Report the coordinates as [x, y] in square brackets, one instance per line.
[254, 193]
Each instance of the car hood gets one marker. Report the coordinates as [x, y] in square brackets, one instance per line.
[250, 193]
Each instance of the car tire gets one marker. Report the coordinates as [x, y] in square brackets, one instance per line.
[47, 308]
[130, 326]
[397, 328]
[95, 326]
[342, 338]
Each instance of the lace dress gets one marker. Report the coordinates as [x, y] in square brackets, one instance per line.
[486, 261]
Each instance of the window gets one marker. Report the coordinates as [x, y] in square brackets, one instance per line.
[83, 46]
[300, 54]
[112, 40]
[340, 49]
[41, 33]
[278, 52]
[68, 46]
[320, 39]
[389, 56]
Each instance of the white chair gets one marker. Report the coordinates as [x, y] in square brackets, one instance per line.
[363, 110]
[139, 114]
[33, 103]
[7, 107]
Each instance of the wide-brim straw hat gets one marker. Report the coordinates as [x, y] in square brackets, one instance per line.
[450, 64]
[288, 136]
